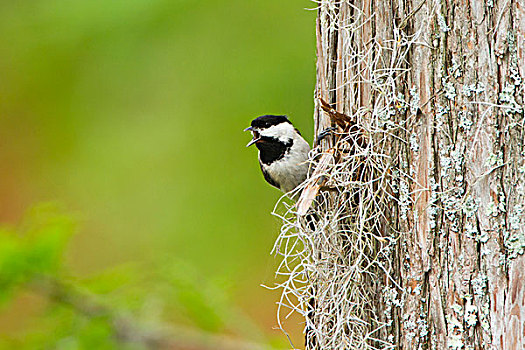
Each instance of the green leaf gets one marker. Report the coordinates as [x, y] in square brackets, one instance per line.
[35, 248]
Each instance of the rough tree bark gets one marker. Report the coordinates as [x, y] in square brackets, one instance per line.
[436, 198]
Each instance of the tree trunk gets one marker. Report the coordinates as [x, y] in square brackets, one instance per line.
[418, 235]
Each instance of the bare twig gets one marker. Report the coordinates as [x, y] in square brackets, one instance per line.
[127, 329]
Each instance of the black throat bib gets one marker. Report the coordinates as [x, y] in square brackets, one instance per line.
[272, 149]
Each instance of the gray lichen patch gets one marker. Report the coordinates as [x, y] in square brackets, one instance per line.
[515, 238]
[455, 329]
[508, 100]
[443, 26]
[470, 316]
[470, 90]
[449, 90]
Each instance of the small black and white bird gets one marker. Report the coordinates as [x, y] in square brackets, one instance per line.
[283, 153]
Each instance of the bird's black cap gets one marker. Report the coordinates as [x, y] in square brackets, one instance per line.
[265, 121]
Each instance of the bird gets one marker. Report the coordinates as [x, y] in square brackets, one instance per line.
[283, 152]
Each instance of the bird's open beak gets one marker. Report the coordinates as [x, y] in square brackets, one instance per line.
[256, 136]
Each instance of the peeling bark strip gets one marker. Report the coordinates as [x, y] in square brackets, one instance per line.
[421, 244]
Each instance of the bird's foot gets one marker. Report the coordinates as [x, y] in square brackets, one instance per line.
[324, 134]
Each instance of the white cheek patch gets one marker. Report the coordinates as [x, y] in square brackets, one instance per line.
[282, 131]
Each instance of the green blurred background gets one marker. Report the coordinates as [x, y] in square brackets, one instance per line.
[128, 115]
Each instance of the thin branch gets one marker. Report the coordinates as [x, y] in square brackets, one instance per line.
[127, 329]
